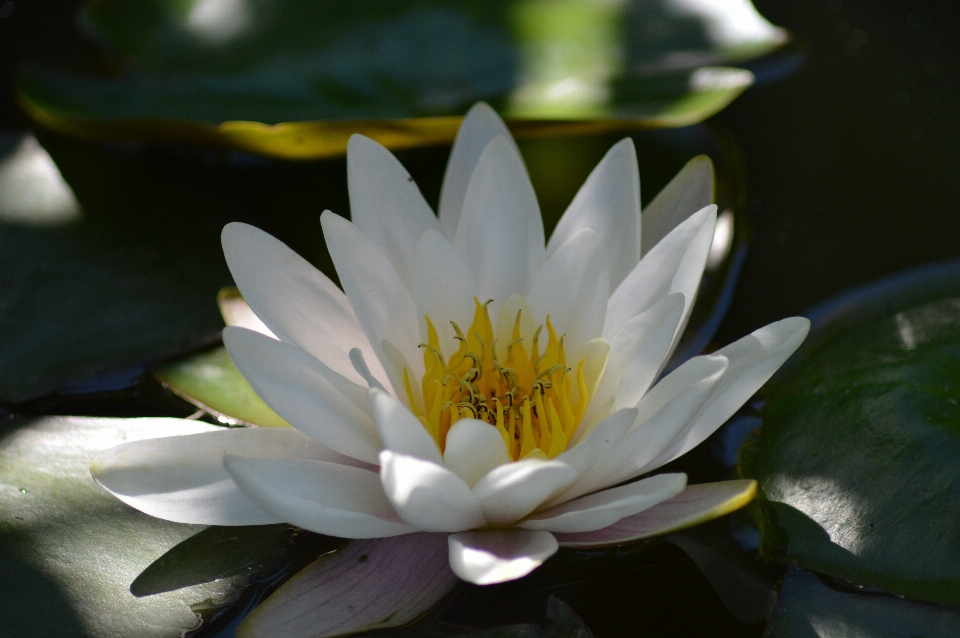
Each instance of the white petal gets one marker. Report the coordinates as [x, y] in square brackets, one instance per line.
[428, 496]
[689, 191]
[605, 508]
[663, 413]
[753, 360]
[500, 234]
[609, 203]
[309, 395]
[323, 497]
[496, 556]
[474, 448]
[384, 308]
[366, 585]
[385, 203]
[636, 354]
[573, 289]
[182, 479]
[599, 442]
[695, 505]
[444, 289]
[507, 317]
[237, 312]
[510, 492]
[400, 430]
[674, 265]
[297, 302]
[481, 125]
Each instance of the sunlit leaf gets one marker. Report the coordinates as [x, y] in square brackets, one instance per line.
[295, 78]
[807, 608]
[857, 456]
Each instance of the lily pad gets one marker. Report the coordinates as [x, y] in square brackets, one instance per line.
[807, 608]
[70, 550]
[294, 78]
[857, 455]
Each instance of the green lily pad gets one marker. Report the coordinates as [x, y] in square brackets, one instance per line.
[857, 456]
[294, 78]
[70, 550]
[809, 609]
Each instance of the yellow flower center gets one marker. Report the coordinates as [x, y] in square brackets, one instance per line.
[534, 399]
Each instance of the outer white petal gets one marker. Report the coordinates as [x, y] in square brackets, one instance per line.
[310, 396]
[689, 191]
[609, 203]
[297, 302]
[753, 360]
[605, 508]
[428, 496]
[674, 265]
[636, 354]
[323, 497]
[237, 312]
[384, 308]
[510, 492]
[480, 126]
[573, 289]
[385, 203]
[444, 288]
[599, 442]
[664, 412]
[474, 448]
[695, 505]
[366, 585]
[400, 430]
[500, 234]
[496, 556]
[182, 479]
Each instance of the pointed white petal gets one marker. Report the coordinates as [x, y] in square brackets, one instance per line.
[428, 496]
[605, 508]
[385, 203]
[384, 308]
[689, 191]
[366, 585]
[599, 442]
[663, 413]
[510, 492]
[696, 504]
[507, 317]
[753, 360]
[609, 203]
[182, 479]
[400, 430]
[474, 448]
[573, 289]
[481, 125]
[500, 234]
[496, 556]
[237, 312]
[674, 265]
[323, 497]
[309, 395]
[444, 289]
[636, 354]
[297, 302]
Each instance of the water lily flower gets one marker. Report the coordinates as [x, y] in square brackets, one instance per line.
[470, 380]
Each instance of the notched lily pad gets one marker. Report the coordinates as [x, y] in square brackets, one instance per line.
[857, 456]
[295, 78]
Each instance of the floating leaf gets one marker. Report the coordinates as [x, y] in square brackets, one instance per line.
[295, 78]
[70, 550]
[857, 456]
[809, 609]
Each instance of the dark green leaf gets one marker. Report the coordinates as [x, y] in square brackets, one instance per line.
[857, 457]
[809, 609]
[194, 66]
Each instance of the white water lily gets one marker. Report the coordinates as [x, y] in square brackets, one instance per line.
[470, 380]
